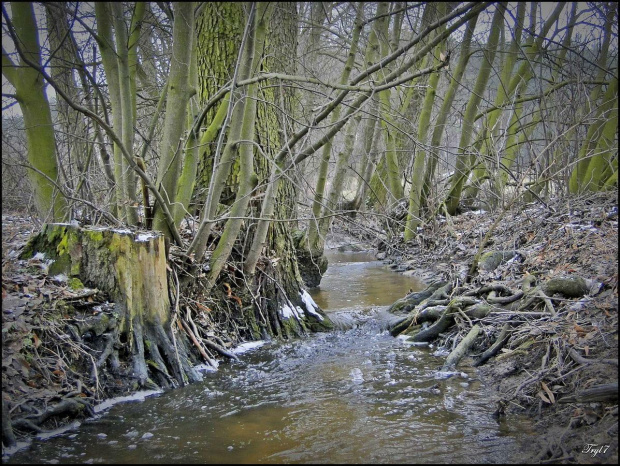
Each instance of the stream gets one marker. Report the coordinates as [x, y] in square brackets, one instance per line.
[354, 395]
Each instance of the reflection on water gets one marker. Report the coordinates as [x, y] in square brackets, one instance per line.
[354, 396]
[357, 279]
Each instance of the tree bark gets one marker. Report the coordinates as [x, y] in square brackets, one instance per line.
[30, 94]
[457, 354]
[131, 269]
[463, 164]
[417, 177]
[171, 153]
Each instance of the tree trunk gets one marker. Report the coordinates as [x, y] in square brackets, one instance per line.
[171, 153]
[446, 107]
[316, 238]
[131, 269]
[219, 29]
[277, 279]
[30, 94]
[463, 161]
[280, 305]
[417, 177]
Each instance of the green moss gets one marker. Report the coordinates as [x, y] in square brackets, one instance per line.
[53, 232]
[292, 327]
[61, 265]
[95, 235]
[489, 261]
[63, 245]
[75, 284]
[250, 319]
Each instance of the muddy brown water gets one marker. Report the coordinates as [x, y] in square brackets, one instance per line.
[355, 395]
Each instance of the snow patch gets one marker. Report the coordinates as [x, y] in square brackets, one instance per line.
[59, 431]
[138, 396]
[357, 376]
[406, 339]
[578, 226]
[247, 346]
[7, 452]
[287, 312]
[145, 236]
[60, 278]
[39, 256]
[122, 231]
[311, 306]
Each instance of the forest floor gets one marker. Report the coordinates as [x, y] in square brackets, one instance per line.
[548, 367]
[559, 363]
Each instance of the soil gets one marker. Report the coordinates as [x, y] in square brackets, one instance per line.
[545, 369]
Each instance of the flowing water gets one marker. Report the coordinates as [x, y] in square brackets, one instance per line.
[355, 395]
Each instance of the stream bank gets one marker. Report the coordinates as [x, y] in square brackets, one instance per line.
[544, 297]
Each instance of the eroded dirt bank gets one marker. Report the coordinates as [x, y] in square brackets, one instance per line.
[557, 359]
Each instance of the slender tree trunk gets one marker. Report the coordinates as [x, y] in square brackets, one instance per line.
[393, 171]
[595, 94]
[315, 239]
[512, 84]
[110, 65]
[417, 178]
[30, 94]
[127, 103]
[463, 162]
[179, 93]
[370, 141]
[445, 109]
[64, 55]
[581, 177]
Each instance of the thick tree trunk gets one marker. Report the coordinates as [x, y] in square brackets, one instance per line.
[219, 29]
[131, 269]
[277, 277]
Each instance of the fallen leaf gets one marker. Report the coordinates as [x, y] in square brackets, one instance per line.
[203, 307]
[543, 397]
[549, 392]
[580, 330]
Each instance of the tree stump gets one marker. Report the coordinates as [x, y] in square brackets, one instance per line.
[131, 268]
